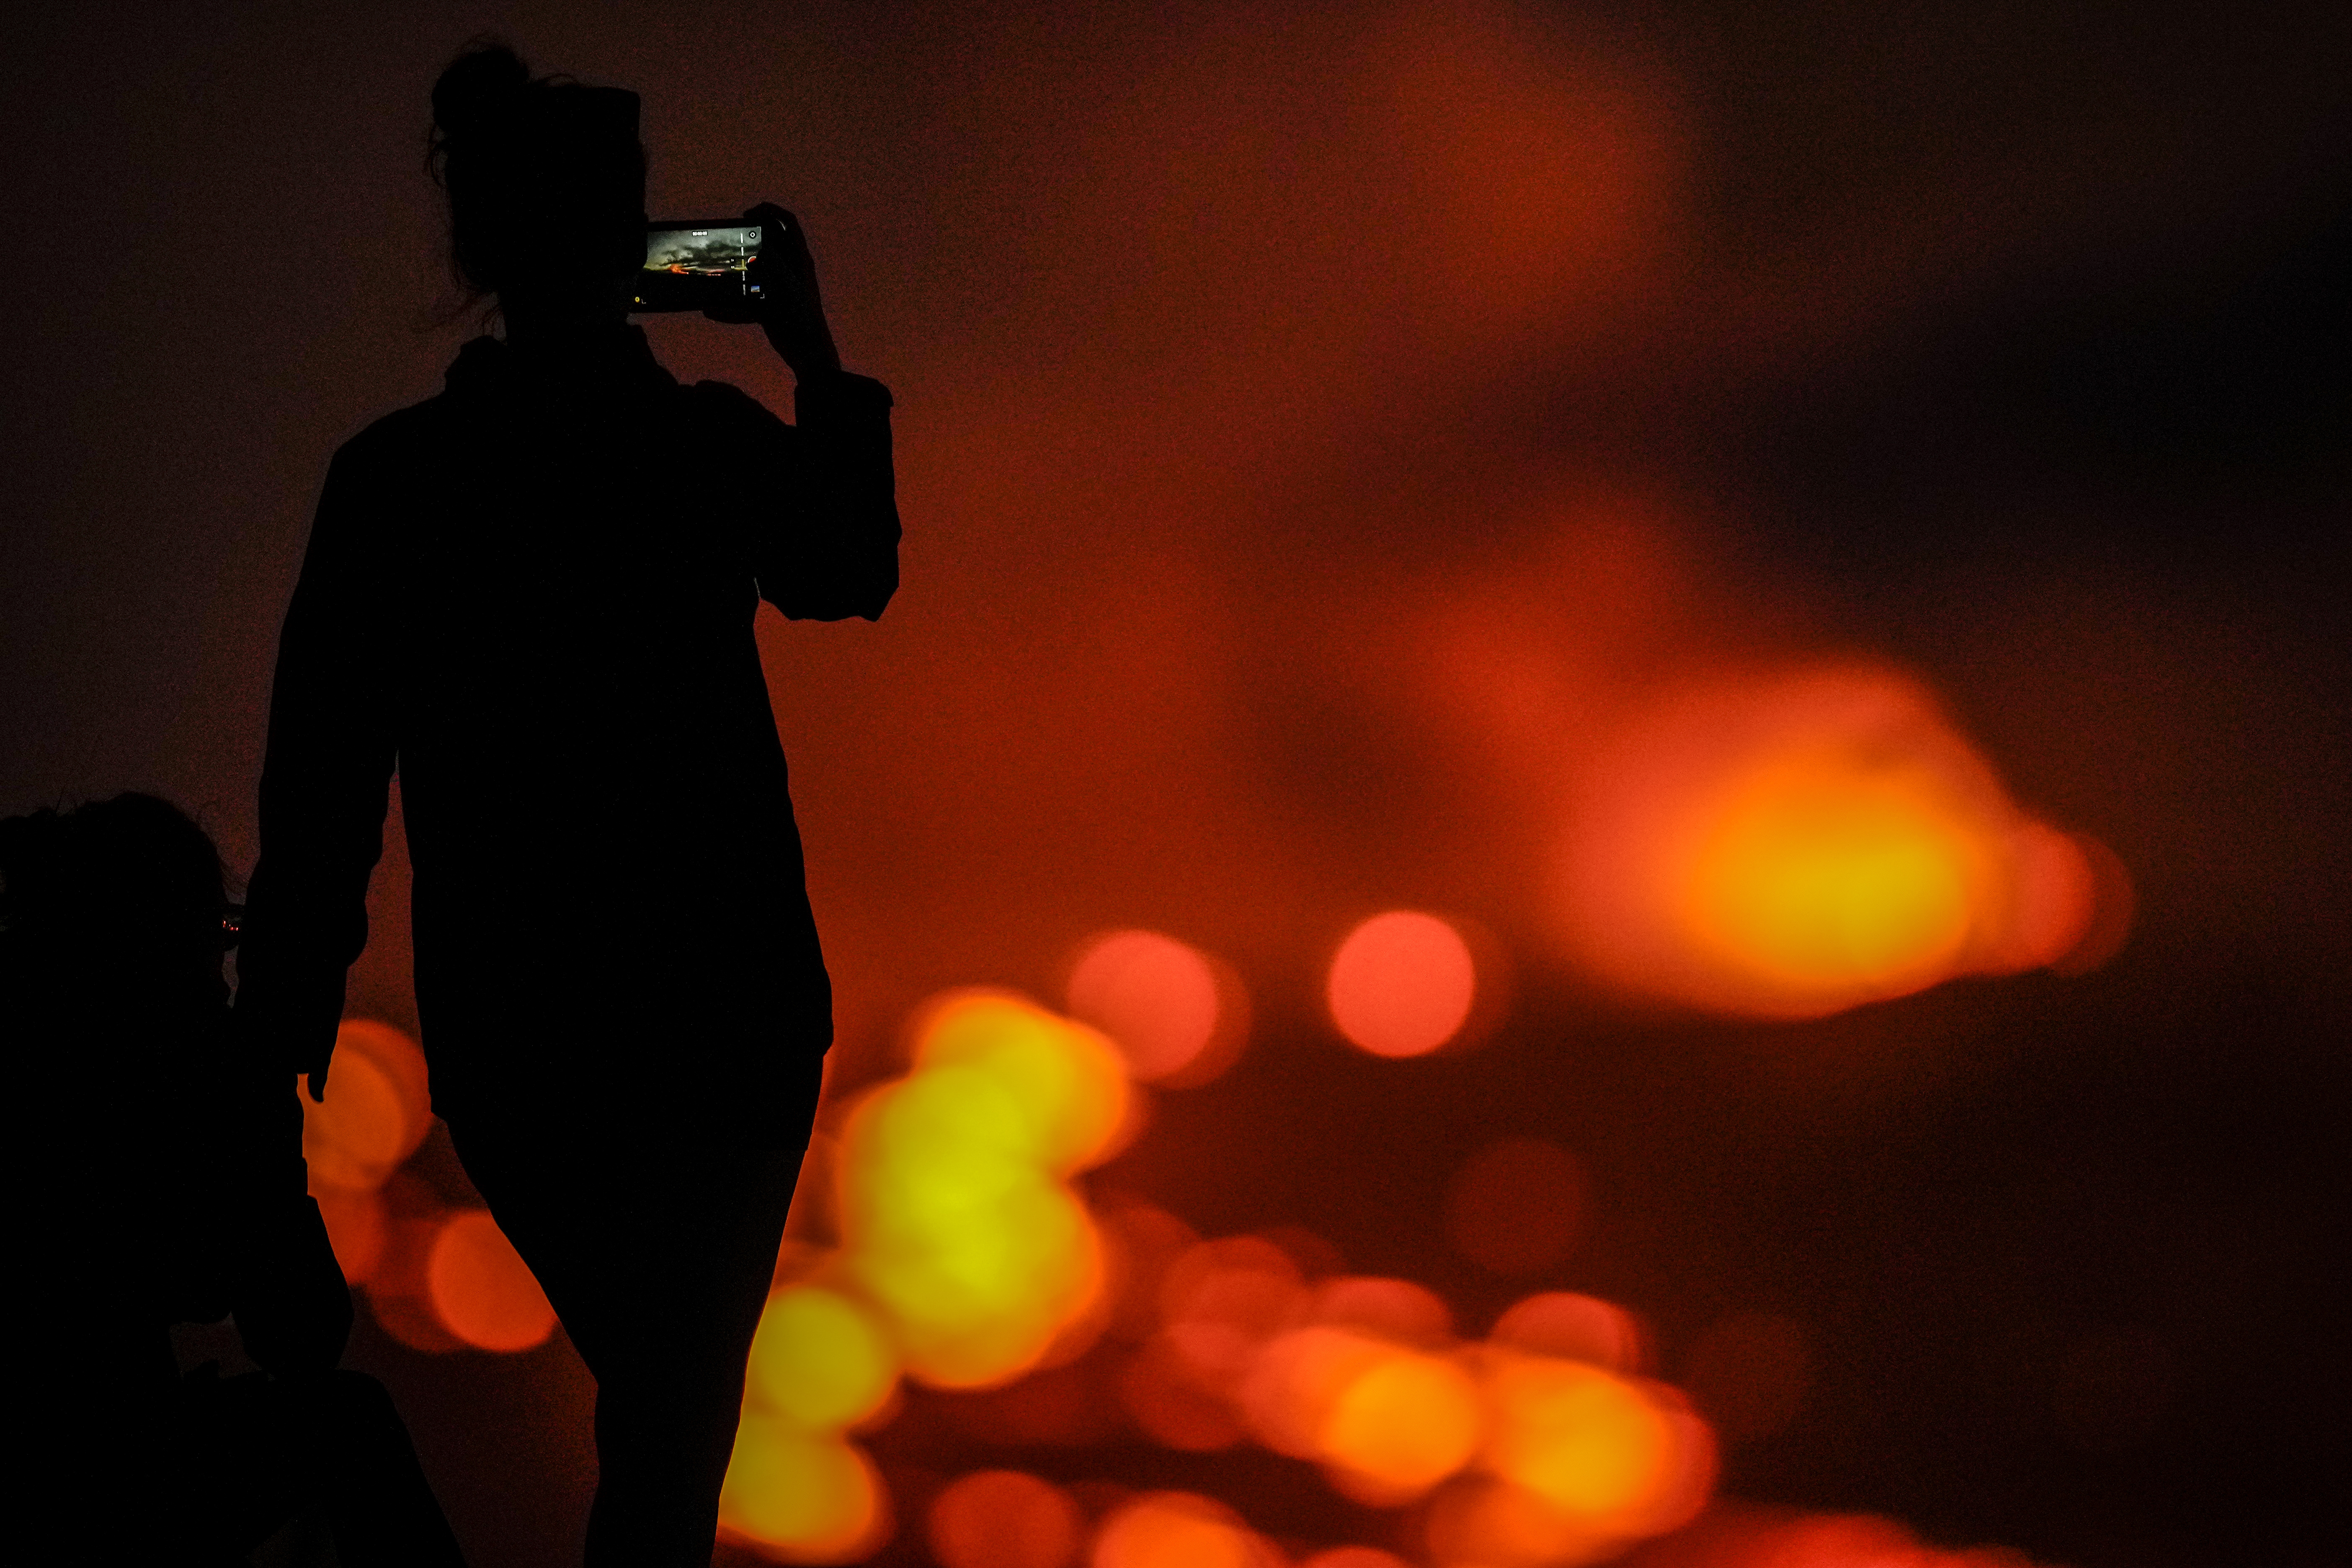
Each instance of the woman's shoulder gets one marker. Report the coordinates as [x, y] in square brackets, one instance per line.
[398, 437]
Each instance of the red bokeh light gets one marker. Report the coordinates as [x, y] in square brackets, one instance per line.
[1573, 1327]
[1004, 1519]
[1177, 1016]
[1401, 984]
[480, 1287]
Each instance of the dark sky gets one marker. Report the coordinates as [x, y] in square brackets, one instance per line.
[1235, 346]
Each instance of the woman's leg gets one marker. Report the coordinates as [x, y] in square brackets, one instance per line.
[658, 1259]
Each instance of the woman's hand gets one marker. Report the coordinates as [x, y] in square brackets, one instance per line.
[791, 312]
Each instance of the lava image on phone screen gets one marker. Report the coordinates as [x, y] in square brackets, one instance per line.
[697, 267]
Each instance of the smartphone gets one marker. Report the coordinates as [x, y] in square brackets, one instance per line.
[693, 265]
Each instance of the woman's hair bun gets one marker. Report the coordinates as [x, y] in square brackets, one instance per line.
[486, 79]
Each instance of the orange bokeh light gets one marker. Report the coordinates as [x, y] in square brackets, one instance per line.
[1178, 1530]
[1004, 1519]
[1619, 1458]
[481, 1288]
[1178, 1016]
[376, 1110]
[1395, 1310]
[1572, 1327]
[1401, 984]
[1400, 1427]
[1793, 843]
[1223, 1299]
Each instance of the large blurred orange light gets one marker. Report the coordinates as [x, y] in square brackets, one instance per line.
[482, 1290]
[1004, 1519]
[1178, 1530]
[1793, 843]
[1401, 984]
[376, 1110]
[1176, 1018]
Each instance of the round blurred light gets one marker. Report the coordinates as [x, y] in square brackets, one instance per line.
[1613, 1454]
[819, 1360]
[1355, 1557]
[376, 1110]
[1395, 1310]
[1789, 843]
[1401, 984]
[1168, 1401]
[1515, 1206]
[1004, 1519]
[1067, 1085]
[1572, 1327]
[481, 1288]
[1159, 998]
[802, 1497]
[1298, 1381]
[1485, 1522]
[1177, 1530]
[1223, 1300]
[954, 1219]
[1405, 1424]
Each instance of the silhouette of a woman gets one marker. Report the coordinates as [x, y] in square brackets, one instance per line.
[534, 596]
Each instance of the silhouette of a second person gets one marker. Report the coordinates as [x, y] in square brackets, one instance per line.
[532, 595]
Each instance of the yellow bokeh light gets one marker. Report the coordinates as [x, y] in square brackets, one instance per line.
[819, 1360]
[1788, 844]
[1836, 871]
[955, 1219]
[1615, 1455]
[801, 1497]
[1067, 1084]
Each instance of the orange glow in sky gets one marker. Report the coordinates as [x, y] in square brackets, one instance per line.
[1401, 984]
[1789, 843]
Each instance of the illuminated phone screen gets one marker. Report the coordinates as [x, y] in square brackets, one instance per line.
[697, 267]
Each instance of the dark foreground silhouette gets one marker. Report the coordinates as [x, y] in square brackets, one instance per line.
[171, 1189]
[534, 596]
